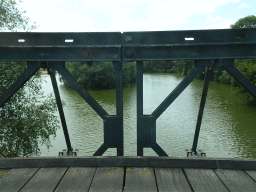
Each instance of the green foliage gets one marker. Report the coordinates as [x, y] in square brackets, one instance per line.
[225, 78]
[27, 119]
[100, 75]
[129, 73]
[151, 66]
[246, 22]
[12, 18]
[180, 66]
[246, 66]
[217, 73]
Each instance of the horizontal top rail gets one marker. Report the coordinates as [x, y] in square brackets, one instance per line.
[187, 38]
[33, 39]
[128, 46]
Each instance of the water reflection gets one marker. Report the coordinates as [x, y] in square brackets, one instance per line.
[228, 126]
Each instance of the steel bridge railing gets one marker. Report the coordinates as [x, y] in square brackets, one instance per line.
[50, 50]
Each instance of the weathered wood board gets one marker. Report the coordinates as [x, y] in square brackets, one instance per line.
[204, 180]
[46, 179]
[15, 179]
[77, 179]
[108, 179]
[130, 179]
[236, 180]
[251, 173]
[140, 179]
[3, 172]
[171, 180]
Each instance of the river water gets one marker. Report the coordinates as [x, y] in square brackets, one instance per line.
[228, 127]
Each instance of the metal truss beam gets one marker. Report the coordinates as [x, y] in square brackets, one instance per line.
[32, 68]
[228, 64]
[200, 45]
[51, 72]
[129, 46]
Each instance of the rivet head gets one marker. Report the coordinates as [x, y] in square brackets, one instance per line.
[128, 39]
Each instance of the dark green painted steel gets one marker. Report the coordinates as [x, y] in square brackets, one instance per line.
[228, 64]
[177, 91]
[60, 108]
[172, 45]
[52, 46]
[119, 87]
[48, 39]
[94, 53]
[146, 124]
[201, 37]
[113, 134]
[106, 46]
[60, 67]
[50, 50]
[146, 130]
[139, 82]
[119, 144]
[101, 150]
[195, 52]
[32, 68]
[208, 73]
[113, 125]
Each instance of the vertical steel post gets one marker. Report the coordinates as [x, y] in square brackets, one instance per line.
[119, 88]
[119, 103]
[201, 108]
[139, 82]
[61, 112]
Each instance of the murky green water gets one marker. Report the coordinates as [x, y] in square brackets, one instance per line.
[228, 128]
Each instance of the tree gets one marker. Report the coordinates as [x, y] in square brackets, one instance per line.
[246, 22]
[27, 119]
[247, 66]
[12, 18]
[100, 75]
[168, 66]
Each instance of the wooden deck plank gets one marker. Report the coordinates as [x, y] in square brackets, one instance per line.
[3, 172]
[252, 174]
[16, 178]
[204, 180]
[137, 179]
[140, 179]
[171, 180]
[236, 180]
[46, 179]
[108, 179]
[77, 179]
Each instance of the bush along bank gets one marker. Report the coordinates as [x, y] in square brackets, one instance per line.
[245, 66]
[100, 75]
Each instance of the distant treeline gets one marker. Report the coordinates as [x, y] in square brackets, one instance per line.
[101, 75]
[245, 66]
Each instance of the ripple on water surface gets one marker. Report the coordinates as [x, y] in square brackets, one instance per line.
[227, 130]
